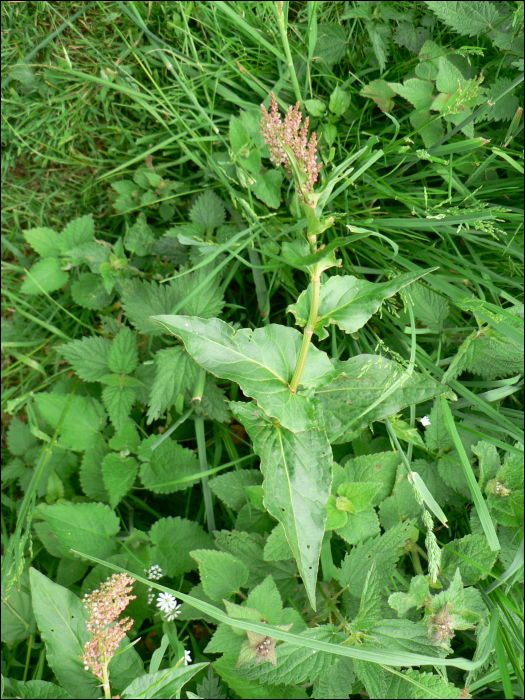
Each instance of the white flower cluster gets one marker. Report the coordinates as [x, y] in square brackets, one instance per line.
[168, 604]
[154, 574]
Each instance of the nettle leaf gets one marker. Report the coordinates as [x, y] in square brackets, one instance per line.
[467, 18]
[347, 301]
[380, 36]
[412, 683]
[249, 548]
[84, 418]
[139, 238]
[505, 492]
[227, 669]
[89, 292]
[359, 527]
[127, 438]
[474, 549]
[415, 597]
[277, 547]
[91, 478]
[118, 401]
[119, 475]
[429, 307]
[145, 299]
[208, 211]
[380, 467]
[363, 380]
[172, 540]
[381, 93]
[44, 240]
[267, 600]
[221, 573]
[417, 92]
[89, 528]
[405, 636]
[45, 276]
[337, 683]
[20, 439]
[76, 233]
[410, 36]
[384, 550]
[88, 357]
[370, 607]
[331, 43]
[262, 362]
[166, 466]
[231, 487]
[123, 358]
[93, 253]
[297, 469]
[175, 372]
[373, 677]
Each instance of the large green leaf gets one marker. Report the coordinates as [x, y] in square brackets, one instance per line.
[363, 381]
[348, 301]
[297, 469]
[262, 362]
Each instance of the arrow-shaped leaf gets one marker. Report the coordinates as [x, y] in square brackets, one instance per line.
[297, 469]
[262, 362]
[348, 301]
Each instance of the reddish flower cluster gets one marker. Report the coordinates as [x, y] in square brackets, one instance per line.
[291, 134]
[105, 605]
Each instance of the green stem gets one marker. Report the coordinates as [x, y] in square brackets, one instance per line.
[308, 331]
[198, 390]
[286, 47]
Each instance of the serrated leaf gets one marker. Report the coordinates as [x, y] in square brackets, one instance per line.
[347, 302]
[83, 420]
[45, 276]
[359, 527]
[381, 93]
[89, 292]
[277, 547]
[123, 358]
[143, 300]
[88, 357]
[505, 493]
[363, 381]
[414, 598]
[230, 487]
[267, 188]
[415, 684]
[370, 606]
[118, 402]
[262, 362]
[474, 549]
[410, 36]
[505, 108]
[331, 43]
[429, 307]
[380, 38]
[221, 573]
[119, 475]
[449, 78]
[91, 478]
[373, 677]
[19, 438]
[127, 438]
[44, 240]
[379, 467]
[356, 496]
[246, 688]
[297, 468]
[172, 540]
[337, 683]
[139, 238]
[466, 18]
[175, 372]
[384, 550]
[169, 463]
[77, 232]
[208, 211]
[266, 599]
[89, 528]
[405, 636]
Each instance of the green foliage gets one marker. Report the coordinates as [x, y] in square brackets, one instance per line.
[275, 480]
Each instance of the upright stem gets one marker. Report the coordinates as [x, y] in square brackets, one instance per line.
[286, 47]
[308, 331]
[198, 390]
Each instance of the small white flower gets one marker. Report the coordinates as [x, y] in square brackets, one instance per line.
[425, 421]
[166, 602]
[187, 657]
[175, 612]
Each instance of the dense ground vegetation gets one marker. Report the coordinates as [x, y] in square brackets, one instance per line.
[327, 472]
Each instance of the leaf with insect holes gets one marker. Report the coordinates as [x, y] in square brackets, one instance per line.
[262, 362]
[88, 357]
[364, 380]
[297, 469]
[348, 301]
